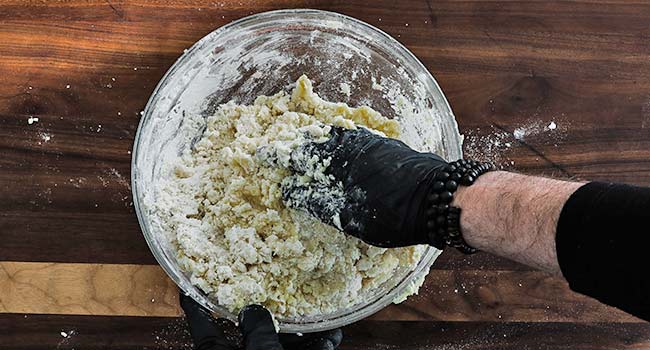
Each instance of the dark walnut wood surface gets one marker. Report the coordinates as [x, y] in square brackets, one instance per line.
[72, 257]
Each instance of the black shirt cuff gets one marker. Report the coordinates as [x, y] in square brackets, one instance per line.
[602, 238]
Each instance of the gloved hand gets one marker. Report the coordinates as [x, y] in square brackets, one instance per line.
[256, 331]
[385, 185]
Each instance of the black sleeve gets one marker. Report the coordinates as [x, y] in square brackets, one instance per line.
[602, 245]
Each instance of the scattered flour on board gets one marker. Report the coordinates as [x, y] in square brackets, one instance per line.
[31, 120]
[67, 336]
[173, 336]
[118, 177]
[45, 195]
[492, 144]
[77, 182]
[103, 180]
[488, 145]
[45, 137]
[490, 336]
[537, 128]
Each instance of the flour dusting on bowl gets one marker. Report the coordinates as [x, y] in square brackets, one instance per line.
[264, 54]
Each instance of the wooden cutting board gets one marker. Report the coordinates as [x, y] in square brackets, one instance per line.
[75, 271]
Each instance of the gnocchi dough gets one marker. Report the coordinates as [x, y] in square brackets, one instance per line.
[234, 236]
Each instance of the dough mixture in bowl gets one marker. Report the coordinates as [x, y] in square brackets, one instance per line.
[223, 211]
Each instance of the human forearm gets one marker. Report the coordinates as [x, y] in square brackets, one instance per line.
[594, 235]
[514, 216]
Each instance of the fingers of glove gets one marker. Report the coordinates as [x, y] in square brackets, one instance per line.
[345, 145]
[318, 199]
[228, 337]
[300, 157]
[343, 149]
[256, 325]
[342, 144]
[321, 344]
[336, 336]
[208, 333]
[367, 155]
[338, 137]
[296, 194]
[200, 320]
[312, 340]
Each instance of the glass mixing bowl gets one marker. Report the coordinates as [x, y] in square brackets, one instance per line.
[263, 54]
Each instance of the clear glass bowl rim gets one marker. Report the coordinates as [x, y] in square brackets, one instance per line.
[454, 151]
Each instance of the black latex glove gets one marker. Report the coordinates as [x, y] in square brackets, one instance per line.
[209, 333]
[256, 331]
[328, 340]
[385, 184]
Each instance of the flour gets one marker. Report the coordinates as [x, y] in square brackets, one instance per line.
[223, 210]
[534, 128]
[345, 89]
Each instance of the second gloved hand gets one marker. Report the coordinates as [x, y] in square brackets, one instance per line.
[255, 332]
[385, 184]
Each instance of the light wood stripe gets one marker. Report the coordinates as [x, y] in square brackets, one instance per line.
[86, 289]
[145, 290]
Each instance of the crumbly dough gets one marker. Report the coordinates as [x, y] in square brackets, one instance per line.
[234, 236]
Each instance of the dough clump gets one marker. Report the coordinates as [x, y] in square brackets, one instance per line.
[233, 234]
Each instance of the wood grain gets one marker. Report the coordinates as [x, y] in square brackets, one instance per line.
[502, 67]
[145, 290]
[489, 335]
[87, 68]
[501, 71]
[86, 289]
[37, 332]
[130, 333]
